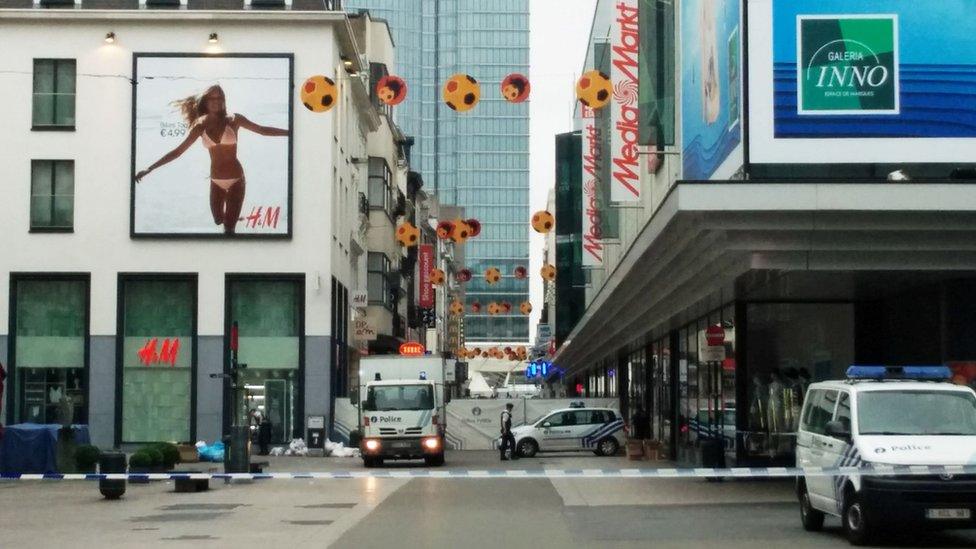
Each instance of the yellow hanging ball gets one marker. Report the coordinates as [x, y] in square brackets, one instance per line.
[319, 93]
[492, 275]
[548, 272]
[461, 92]
[594, 89]
[543, 221]
[407, 235]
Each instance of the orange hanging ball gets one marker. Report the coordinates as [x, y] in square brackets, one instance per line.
[407, 235]
[515, 88]
[461, 232]
[548, 272]
[436, 277]
[457, 307]
[492, 275]
[525, 307]
[319, 93]
[391, 90]
[594, 89]
[543, 221]
[461, 92]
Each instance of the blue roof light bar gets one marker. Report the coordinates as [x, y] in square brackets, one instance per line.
[926, 373]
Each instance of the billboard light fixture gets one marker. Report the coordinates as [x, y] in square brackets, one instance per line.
[213, 38]
[110, 38]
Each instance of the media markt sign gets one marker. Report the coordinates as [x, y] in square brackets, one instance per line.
[847, 64]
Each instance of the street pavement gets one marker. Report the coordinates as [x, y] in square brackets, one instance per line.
[422, 512]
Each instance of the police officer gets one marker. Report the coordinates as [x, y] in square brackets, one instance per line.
[508, 439]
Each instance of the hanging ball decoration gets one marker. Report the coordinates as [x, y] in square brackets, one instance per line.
[493, 308]
[461, 352]
[476, 351]
[543, 221]
[484, 354]
[548, 272]
[521, 272]
[525, 307]
[457, 307]
[407, 235]
[319, 93]
[506, 307]
[461, 92]
[436, 277]
[391, 90]
[461, 231]
[474, 226]
[444, 230]
[594, 89]
[492, 275]
[515, 88]
[464, 275]
[476, 307]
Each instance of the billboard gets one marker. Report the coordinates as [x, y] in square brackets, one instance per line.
[711, 89]
[624, 117]
[211, 150]
[875, 81]
[593, 203]
[425, 264]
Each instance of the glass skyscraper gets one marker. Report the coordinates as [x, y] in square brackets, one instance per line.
[478, 159]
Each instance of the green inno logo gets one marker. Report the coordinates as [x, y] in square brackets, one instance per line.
[847, 64]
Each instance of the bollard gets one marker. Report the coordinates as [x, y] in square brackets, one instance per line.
[111, 462]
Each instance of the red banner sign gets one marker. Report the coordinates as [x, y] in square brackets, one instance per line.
[425, 264]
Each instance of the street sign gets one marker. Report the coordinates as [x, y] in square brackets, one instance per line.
[412, 348]
[711, 344]
[715, 335]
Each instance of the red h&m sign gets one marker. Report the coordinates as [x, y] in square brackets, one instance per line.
[151, 354]
[425, 264]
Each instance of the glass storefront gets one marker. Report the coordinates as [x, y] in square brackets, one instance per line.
[662, 402]
[790, 346]
[269, 316]
[158, 329]
[50, 332]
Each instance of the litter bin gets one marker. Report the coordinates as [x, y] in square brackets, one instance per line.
[111, 462]
[236, 459]
[713, 456]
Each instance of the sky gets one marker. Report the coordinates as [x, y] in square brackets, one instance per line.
[559, 30]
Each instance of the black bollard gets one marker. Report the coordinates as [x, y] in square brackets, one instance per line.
[111, 462]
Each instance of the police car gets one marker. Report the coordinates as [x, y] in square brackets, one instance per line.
[888, 416]
[600, 430]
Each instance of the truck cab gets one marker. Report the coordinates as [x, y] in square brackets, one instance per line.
[402, 417]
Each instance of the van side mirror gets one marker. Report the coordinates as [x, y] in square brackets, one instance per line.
[546, 425]
[837, 429]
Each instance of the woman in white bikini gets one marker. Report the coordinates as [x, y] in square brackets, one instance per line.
[206, 116]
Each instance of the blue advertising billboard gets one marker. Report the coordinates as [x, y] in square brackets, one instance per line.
[711, 89]
[835, 81]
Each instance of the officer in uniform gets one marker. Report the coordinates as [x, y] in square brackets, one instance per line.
[508, 439]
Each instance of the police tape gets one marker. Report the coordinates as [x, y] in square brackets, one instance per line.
[947, 472]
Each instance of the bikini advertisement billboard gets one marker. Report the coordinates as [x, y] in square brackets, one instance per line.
[873, 81]
[211, 145]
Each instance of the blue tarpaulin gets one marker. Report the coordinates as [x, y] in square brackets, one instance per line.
[32, 447]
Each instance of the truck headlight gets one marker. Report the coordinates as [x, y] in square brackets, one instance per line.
[431, 443]
[372, 445]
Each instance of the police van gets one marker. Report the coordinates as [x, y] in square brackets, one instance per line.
[600, 430]
[888, 416]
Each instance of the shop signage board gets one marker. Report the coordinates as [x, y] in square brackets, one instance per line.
[425, 264]
[593, 204]
[360, 299]
[624, 113]
[708, 352]
[873, 81]
[364, 330]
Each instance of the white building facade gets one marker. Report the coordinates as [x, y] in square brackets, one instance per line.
[122, 299]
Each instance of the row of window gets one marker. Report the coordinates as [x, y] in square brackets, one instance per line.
[156, 354]
[378, 287]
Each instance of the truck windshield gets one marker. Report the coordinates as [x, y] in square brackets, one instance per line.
[916, 413]
[381, 398]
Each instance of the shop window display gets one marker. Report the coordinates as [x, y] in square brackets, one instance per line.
[50, 330]
[790, 346]
[268, 313]
[158, 324]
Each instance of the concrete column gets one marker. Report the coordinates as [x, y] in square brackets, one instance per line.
[210, 392]
[318, 378]
[101, 391]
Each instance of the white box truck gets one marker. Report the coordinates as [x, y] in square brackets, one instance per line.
[401, 402]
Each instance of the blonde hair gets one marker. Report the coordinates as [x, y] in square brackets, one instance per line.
[195, 106]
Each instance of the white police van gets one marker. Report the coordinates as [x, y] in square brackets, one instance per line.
[600, 430]
[888, 416]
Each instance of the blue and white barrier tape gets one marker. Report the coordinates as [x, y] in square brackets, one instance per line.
[733, 472]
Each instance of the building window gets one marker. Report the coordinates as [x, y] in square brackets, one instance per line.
[50, 335]
[269, 313]
[54, 94]
[52, 195]
[378, 280]
[158, 326]
[380, 186]
[340, 340]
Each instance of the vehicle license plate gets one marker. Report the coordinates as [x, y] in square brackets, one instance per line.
[407, 445]
[948, 514]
